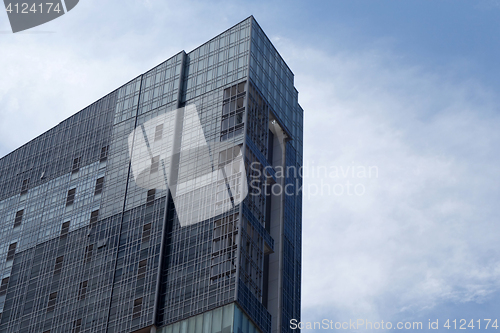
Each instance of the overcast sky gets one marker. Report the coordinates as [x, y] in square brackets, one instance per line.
[406, 89]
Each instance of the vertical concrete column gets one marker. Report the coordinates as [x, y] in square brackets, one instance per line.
[277, 213]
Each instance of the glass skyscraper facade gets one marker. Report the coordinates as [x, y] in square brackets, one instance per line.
[91, 241]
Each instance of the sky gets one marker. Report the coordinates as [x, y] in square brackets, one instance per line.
[401, 108]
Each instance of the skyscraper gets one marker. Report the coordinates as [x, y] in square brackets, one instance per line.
[170, 205]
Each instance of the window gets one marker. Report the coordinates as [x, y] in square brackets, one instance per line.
[24, 187]
[3, 286]
[12, 251]
[141, 273]
[151, 197]
[146, 232]
[19, 218]
[98, 185]
[225, 109]
[77, 324]
[93, 217]
[232, 133]
[65, 229]
[240, 102]
[155, 163]
[52, 302]
[59, 264]
[232, 121]
[71, 197]
[136, 313]
[88, 252]
[83, 290]
[76, 165]
[223, 261]
[241, 87]
[233, 110]
[234, 91]
[104, 153]
[158, 132]
[102, 243]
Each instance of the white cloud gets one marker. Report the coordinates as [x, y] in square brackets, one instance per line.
[424, 232]
[46, 77]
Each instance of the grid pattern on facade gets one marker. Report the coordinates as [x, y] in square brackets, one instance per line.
[127, 100]
[89, 272]
[233, 111]
[291, 247]
[252, 247]
[252, 259]
[45, 282]
[217, 63]
[258, 124]
[275, 81]
[271, 78]
[135, 271]
[196, 276]
[256, 200]
[51, 154]
[257, 312]
[160, 85]
[199, 273]
[86, 249]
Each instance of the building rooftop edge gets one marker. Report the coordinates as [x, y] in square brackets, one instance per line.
[251, 17]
